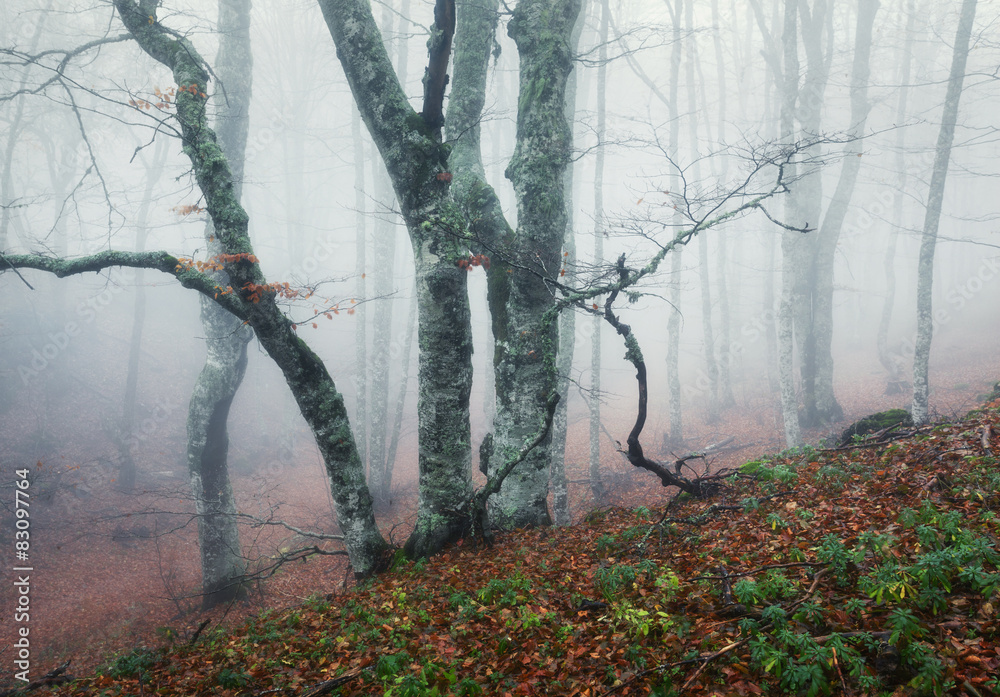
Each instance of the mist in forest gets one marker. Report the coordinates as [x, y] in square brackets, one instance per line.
[679, 114]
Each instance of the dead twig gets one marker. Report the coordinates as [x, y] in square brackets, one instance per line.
[55, 676]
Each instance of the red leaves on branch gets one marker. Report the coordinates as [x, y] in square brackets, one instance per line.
[216, 263]
[166, 99]
[474, 260]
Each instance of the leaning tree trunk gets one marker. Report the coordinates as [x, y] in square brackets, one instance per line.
[932, 217]
[417, 160]
[248, 295]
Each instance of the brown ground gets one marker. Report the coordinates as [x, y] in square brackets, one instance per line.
[107, 577]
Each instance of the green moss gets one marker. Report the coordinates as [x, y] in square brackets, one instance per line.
[876, 422]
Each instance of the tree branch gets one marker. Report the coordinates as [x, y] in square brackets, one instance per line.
[158, 261]
[436, 74]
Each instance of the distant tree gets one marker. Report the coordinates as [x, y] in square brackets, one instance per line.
[597, 488]
[892, 365]
[932, 217]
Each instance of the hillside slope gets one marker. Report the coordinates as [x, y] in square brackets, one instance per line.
[872, 569]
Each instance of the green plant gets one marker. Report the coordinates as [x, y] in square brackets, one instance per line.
[638, 622]
[669, 583]
[510, 591]
[231, 679]
[810, 613]
[467, 687]
[612, 580]
[905, 626]
[134, 664]
[750, 504]
[776, 521]
[606, 543]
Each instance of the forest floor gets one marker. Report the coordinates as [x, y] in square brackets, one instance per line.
[868, 569]
[116, 571]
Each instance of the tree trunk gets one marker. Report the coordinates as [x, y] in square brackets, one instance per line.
[414, 156]
[314, 391]
[836, 212]
[127, 441]
[360, 375]
[383, 276]
[597, 488]
[404, 382]
[708, 334]
[786, 375]
[567, 320]
[542, 30]
[676, 438]
[13, 134]
[726, 398]
[222, 562]
[380, 465]
[932, 217]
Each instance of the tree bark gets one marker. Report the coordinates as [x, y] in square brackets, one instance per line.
[541, 30]
[361, 277]
[789, 240]
[222, 563]
[836, 212]
[315, 392]
[567, 320]
[411, 148]
[932, 216]
[676, 438]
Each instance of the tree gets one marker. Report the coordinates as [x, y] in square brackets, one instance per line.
[597, 487]
[414, 155]
[222, 564]
[932, 216]
[892, 365]
[247, 296]
[833, 220]
[567, 320]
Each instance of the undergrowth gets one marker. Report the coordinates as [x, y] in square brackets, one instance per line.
[869, 571]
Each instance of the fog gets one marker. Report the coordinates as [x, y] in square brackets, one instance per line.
[92, 162]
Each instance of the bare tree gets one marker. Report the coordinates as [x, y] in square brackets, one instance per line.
[932, 217]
